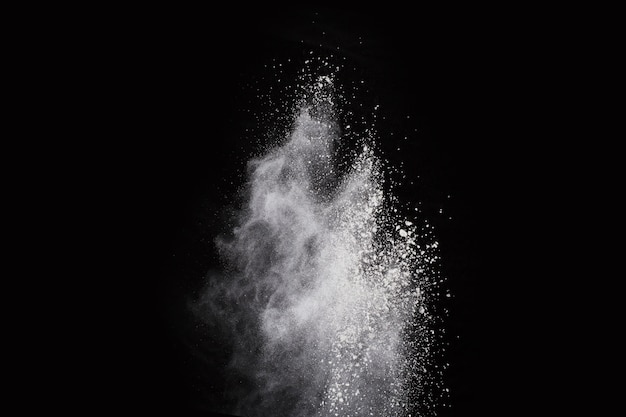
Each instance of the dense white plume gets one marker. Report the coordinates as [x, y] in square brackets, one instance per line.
[325, 286]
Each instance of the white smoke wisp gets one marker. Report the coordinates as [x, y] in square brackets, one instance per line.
[325, 290]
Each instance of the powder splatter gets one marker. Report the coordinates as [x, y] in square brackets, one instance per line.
[326, 285]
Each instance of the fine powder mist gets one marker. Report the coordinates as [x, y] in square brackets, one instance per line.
[326, 287]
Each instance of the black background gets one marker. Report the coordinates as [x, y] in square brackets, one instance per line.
[167, 121]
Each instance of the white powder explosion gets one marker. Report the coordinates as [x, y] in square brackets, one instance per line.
[327, 285]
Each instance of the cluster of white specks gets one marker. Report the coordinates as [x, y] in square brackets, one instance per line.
[338, 278]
